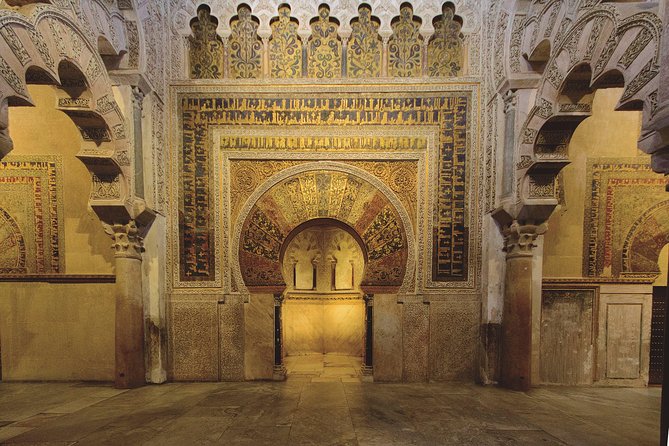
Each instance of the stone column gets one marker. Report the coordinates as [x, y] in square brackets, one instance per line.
[129, 326]
[384, 57]
[368, 364]
[344, 56]
[516, 361]
[265, 58]
[226, 55]
[426, 41]
[279, 367]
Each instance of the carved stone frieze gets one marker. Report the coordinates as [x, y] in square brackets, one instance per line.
[647, 73]
[15, 44]
[106, 187]
[541, 186]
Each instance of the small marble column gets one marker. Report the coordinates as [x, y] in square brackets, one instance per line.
[344, 56]
[424, 69]
[516, 361]
[129, 326]
[137, 110]
[265, 58]
[384, 57]
[508, 167]
[226, 56]
[279, 367]
[368, 364]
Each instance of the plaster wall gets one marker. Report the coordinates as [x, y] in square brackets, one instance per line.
[607, 133]
[43, 130]
[57, 331]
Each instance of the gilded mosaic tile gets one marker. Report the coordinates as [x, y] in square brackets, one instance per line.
[447, 112]
[323, 194]
[285, 55]
[625, 195]
[31, 206]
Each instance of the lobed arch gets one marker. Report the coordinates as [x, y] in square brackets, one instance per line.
[468, 11]
[601, 49]
[49, 47]
[269, 214]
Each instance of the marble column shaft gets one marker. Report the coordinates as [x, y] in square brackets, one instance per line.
[129, 325]
[516, 358]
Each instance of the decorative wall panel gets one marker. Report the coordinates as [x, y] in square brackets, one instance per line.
[31, 238]
[365, 46]
[445, 49]
[405, 47]
[206, 48]
[285, 46]
[244, 45]
[324, 49]
[625, 223]
[568, 336]
[447, 112]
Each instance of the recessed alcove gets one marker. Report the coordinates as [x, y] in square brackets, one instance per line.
[323, 310]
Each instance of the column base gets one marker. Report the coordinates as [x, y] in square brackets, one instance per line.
[367, 373]
[279, 373]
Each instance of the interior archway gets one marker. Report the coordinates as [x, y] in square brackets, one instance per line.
[323, 313]
[337, 192]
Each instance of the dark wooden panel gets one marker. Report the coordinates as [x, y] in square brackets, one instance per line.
[567, 336]
[657, 335]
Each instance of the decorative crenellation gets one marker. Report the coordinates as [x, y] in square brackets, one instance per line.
[127, 242]
[324, 49]
[365, 45]
[405, 46]
[445, 50]
[285, 54]
[206, 47]
[519, 238]
[244, 46]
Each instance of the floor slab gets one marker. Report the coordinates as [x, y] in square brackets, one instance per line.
[326, 410]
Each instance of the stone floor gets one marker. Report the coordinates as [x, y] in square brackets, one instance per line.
[301, 411]
[324, 368]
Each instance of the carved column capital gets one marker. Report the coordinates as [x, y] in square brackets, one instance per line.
[519, 238]
[369, 299]
[137, 98]
[127, 242]
[510, 101]
[278, 299]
